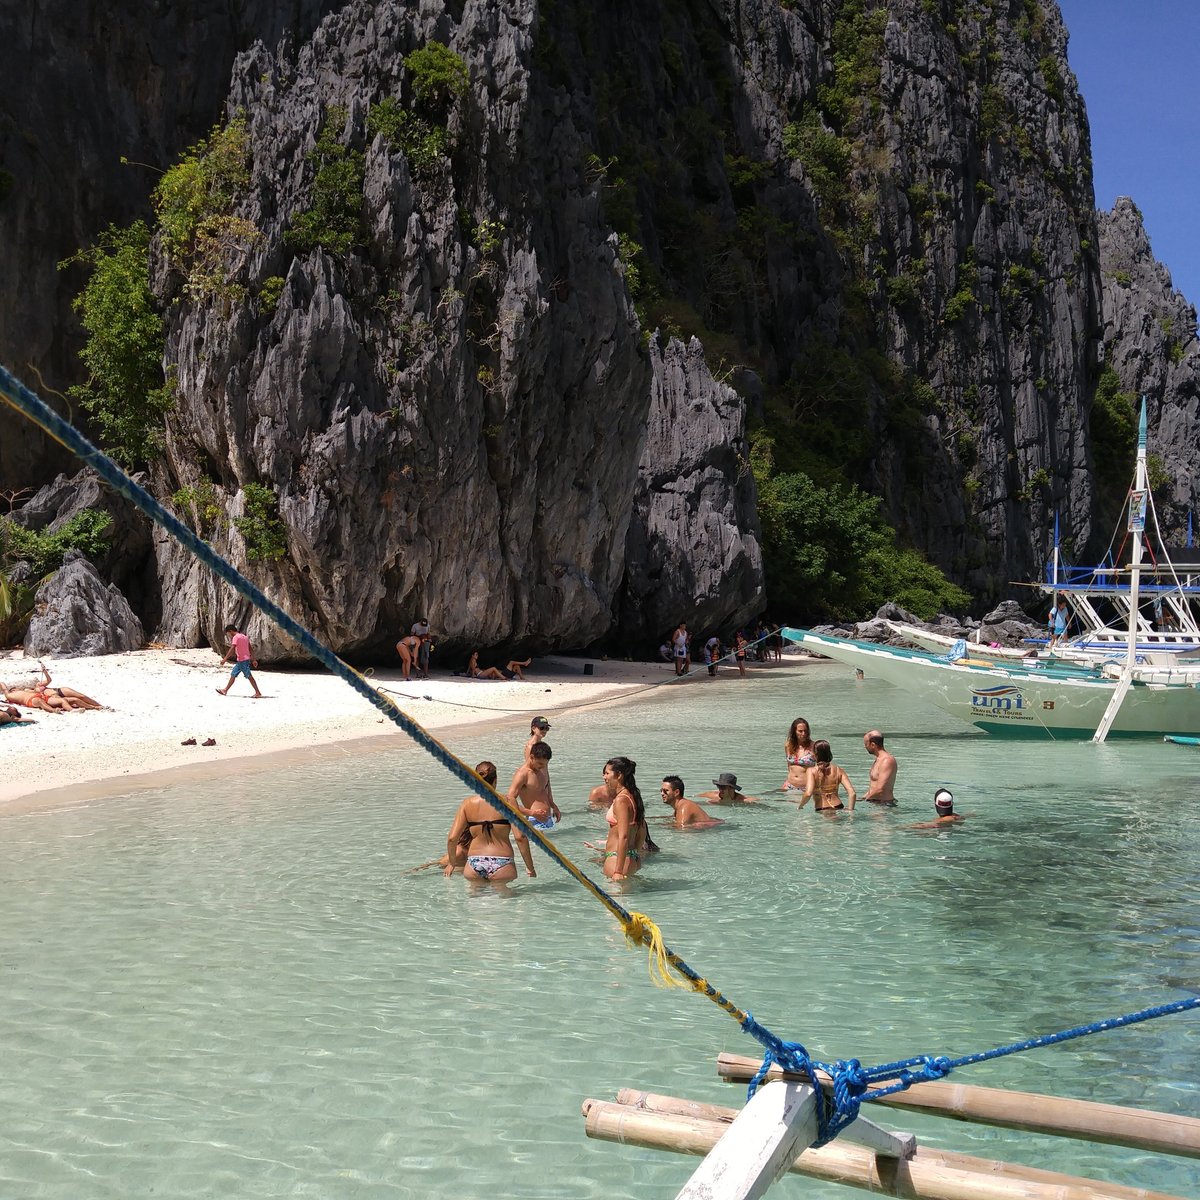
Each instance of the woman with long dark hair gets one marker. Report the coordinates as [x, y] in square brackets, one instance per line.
[626, 818]
[798, 751]
[824, 782]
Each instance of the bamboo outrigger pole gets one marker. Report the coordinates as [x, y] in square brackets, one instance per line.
[1028, 1111]
[684, 1127]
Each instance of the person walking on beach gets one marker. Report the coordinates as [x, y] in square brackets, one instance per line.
[489, 853]
[688, 814]
[239, 649]
[825, 781]
[883, 770]
[530, 789]
[626, 819]
[1057, 622]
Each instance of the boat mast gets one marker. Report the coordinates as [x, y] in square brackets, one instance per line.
[1138, 503]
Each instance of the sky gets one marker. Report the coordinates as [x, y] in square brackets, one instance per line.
[1138, 66]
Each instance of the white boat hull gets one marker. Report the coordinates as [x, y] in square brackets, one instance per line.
[1013, 700]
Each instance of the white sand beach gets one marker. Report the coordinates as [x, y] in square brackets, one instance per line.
[160, 698]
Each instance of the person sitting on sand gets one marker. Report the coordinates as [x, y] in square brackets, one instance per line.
[514, 668]
[727, 791]
[530, 789]
[943, 804]
[798, 753]
[489, 852]
[626, 818]
[824, 782]
[475, 671]
[688, 814]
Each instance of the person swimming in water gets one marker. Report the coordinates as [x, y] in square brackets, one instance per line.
[943, 805]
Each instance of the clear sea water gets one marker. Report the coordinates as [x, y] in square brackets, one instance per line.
[233, 989]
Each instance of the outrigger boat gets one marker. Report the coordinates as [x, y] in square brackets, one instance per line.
[1046, 700]
[1155, 698]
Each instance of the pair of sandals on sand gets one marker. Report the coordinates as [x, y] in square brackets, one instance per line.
[192, 742]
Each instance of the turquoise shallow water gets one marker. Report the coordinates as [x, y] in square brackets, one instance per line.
[232, 988]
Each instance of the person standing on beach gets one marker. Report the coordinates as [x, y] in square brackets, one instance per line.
[239, 649]
[883, 770]
[420, 629]
[688, 814]
[530, 789]
[679, 641]
[712, 653]
[740, 646]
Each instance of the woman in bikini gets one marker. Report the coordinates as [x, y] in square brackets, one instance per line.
[475, 671]
[626, 817]
[489, 853]
[824, 782]
[408, 649]
[798, 751]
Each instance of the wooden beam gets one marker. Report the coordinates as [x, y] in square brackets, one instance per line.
[758, 1146]
[929, 1175]
[862, 1132]
[1163, 1133]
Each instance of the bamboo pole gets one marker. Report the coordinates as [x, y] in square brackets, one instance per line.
[930, 1175]
[1027, 1111]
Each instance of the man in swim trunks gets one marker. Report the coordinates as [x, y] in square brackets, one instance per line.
[239, 649]
[727, 791]
[883, 770]
[688, 814]
[530, 788]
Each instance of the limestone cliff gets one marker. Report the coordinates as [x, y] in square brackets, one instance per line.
[876, 220]
[1150, 342]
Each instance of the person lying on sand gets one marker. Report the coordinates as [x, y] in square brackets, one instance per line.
[11, 715]
[41, 684]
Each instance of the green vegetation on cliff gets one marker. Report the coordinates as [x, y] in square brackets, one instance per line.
[126, 392]
[828, 553]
